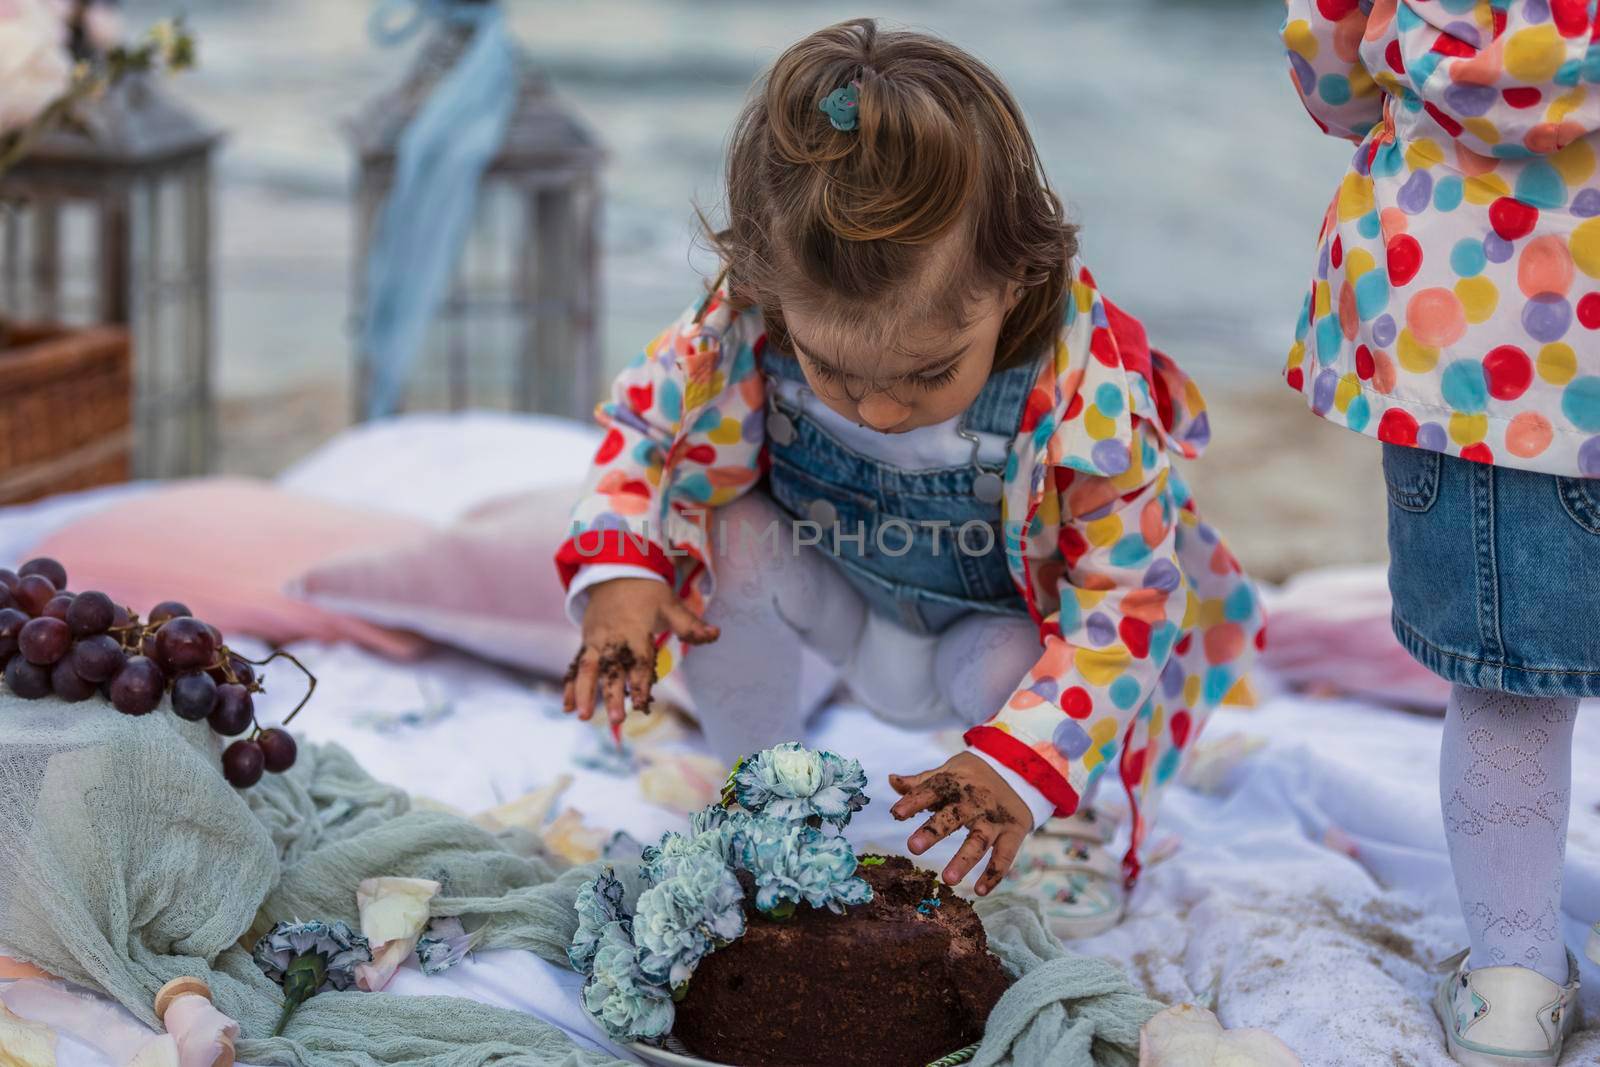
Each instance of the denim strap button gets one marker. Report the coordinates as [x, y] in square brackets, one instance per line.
[823, 513]
[780, 428]
[988, 487]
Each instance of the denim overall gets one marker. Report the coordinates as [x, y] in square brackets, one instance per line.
[945, 556]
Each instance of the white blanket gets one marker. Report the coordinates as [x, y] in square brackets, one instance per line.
[1261, 914]
[1308, 898]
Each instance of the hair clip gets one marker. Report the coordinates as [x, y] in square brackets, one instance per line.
[840, 107]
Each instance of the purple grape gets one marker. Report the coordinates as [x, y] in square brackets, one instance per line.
[235, 710]
[185, 644]
[194, 695]
[56, 607]
[242, 672]
[97, 658]
[32, 593]
[68, 685]
[168, 609]
[242, 764]
[120, 616]
[8, 579]
[26, 680]
[6, 599]
[279, 749]
[138, 687]
[48, 568]
[12, 621]
[43, 641]
[91, 613]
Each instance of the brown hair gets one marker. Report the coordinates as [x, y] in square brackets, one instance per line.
[847, 216]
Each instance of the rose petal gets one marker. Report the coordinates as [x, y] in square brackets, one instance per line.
[374, 976]
[394, 908]
[201, 1031]
[1189, 1036]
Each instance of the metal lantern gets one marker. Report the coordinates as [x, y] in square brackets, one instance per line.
[519, 328]
[112, 224]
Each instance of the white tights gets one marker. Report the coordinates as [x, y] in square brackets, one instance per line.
[1505, 780]
[785, 614]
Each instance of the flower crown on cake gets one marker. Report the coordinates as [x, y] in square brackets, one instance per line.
[778, 822]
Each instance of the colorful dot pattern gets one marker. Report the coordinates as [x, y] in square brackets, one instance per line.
[1147, 622]
[1456, 299]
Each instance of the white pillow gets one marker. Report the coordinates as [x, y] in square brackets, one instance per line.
[439, 466]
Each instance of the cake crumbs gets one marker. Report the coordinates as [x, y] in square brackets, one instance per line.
[946, 791]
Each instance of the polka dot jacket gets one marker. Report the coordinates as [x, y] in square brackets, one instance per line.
[1145, 619]
[1456, 297]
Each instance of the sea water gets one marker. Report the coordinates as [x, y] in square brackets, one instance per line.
[1169, 127]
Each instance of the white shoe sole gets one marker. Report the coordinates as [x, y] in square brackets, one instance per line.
[1469, 1057]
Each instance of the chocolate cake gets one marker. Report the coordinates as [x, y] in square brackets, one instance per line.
[896, 982]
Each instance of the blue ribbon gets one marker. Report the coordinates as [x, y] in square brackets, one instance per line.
[439, 166]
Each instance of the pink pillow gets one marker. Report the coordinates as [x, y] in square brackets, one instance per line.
[487, 585]
[1328, 632]
[226, 547]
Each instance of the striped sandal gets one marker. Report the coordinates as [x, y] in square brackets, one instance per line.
[1066, 866]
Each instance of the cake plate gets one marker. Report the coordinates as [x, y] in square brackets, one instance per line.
[669, 1053]
[674, 1054]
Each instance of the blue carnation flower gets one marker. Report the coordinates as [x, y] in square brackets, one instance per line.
[341, 948]
[711, 817]
[682, 919]
[618, 994]
[793, 862]
[709, 835]
[794, 783]
[599, 904]
[444, 944]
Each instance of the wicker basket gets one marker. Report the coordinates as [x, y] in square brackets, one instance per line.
[65, 410]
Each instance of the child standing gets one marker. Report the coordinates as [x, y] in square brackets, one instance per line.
[1452, 316]
[906, 436]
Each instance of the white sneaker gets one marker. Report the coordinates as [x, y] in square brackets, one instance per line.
[1505, 1016]
[1067, 867]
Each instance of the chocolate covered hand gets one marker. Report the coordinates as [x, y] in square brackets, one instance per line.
[965, 792]
[618, 656]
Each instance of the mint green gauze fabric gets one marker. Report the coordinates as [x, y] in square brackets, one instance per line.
[126, 860]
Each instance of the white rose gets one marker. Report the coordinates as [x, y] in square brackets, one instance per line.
[797, 771]
[35, 68]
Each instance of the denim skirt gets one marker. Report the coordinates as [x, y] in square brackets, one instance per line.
[1495, 573]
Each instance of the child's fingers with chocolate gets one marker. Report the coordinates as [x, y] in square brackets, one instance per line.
[968, 855]
[915, 796]
[945, 822]
[687, 625]
[1006, 847]
[569, 681]
[935, 790]
[904, 783]
[585, 682]
[641, 680]
[617, 661]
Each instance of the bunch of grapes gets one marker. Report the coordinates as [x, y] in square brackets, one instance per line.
[75, 645]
